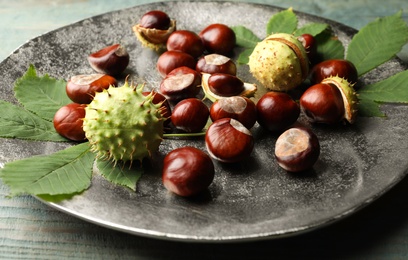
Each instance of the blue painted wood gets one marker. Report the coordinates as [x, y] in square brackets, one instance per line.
[32, 230]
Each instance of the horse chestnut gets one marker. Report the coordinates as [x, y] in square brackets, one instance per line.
[82, 88]
[334, 67]
[111, 60]
[190, 115]
[216, 63]
[171, 60]
[225, 85]
[185, 41]
[181, 83]
[218, 38]
[155, 19]
[187, 171]
[68, 121]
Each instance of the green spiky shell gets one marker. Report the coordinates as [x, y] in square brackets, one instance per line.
[350, 98]
[123, 124]
[279, 62]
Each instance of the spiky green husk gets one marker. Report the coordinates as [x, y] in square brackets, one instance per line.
[122, 124]
[349, 95]
[279, 62]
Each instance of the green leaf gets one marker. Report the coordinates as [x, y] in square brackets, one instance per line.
[41, 95]
[377, 42]
[312, 29]
[391, 90]
[369, 108]
[243, 57]
[16, 122]
[64, 172]
[329, 46]
[283, 22]
[245, 37]
[120, 173]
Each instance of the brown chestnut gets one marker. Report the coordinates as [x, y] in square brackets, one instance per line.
[225, 85]
[323, 103]
[277, 111]
[216, 63]
[181, 83]
[165, 108]
[309, 42]
[187, 171]
[155, 19]
[297, 149]
[190, 115]
[111, 60]
[68, 121]
[171, 60]
[334, 67]
[82, 88]
[229, 141]
[185, 41]
[240, 108]
[218, 38]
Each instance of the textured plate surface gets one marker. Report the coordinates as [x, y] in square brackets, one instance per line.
[254, 199]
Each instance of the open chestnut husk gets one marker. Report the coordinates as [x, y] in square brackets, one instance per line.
[187, 171]
[229, 141]
[297, 149]
[153, 30]
[112, 60]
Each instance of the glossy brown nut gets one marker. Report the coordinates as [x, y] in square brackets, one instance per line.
[216, 63]
[68, 121]
[171, 60]
[277, 111]
[218, 38]
[227, 140]
[186, 41]
[323, 103]
[190, 115]
[155, 19]
[297, 149]
[240, 108]
[225, 85]
[334, 67]
[187, 171]
[82, 88]
[111, 60]
[165, 108]
[181, 83]
[309, 42]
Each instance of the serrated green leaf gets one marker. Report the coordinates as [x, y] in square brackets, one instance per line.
[243, 57]
[64, 172]
[120, 173]
[329, 46]
[16, 122]
[377, 42]
[41, 95]
[391, 90]
[369, 108]
[245, 37]
[312, 29]
[282, 22]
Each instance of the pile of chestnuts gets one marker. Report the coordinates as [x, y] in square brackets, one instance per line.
[191, 62]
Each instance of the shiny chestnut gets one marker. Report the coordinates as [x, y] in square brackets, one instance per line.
[171, 60]
[225, 85]
[309, 42]
[187, 171]
[181, 83]
[216, 63]
[277, 111]
[82, 88]
[155, 19]
[229, 141]
[68, 121]
[190, 115]
[218, 38]
[334, 67]
[297, 149]
[323, 103]
[240, 108]
[112, 60]
[185, 41]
